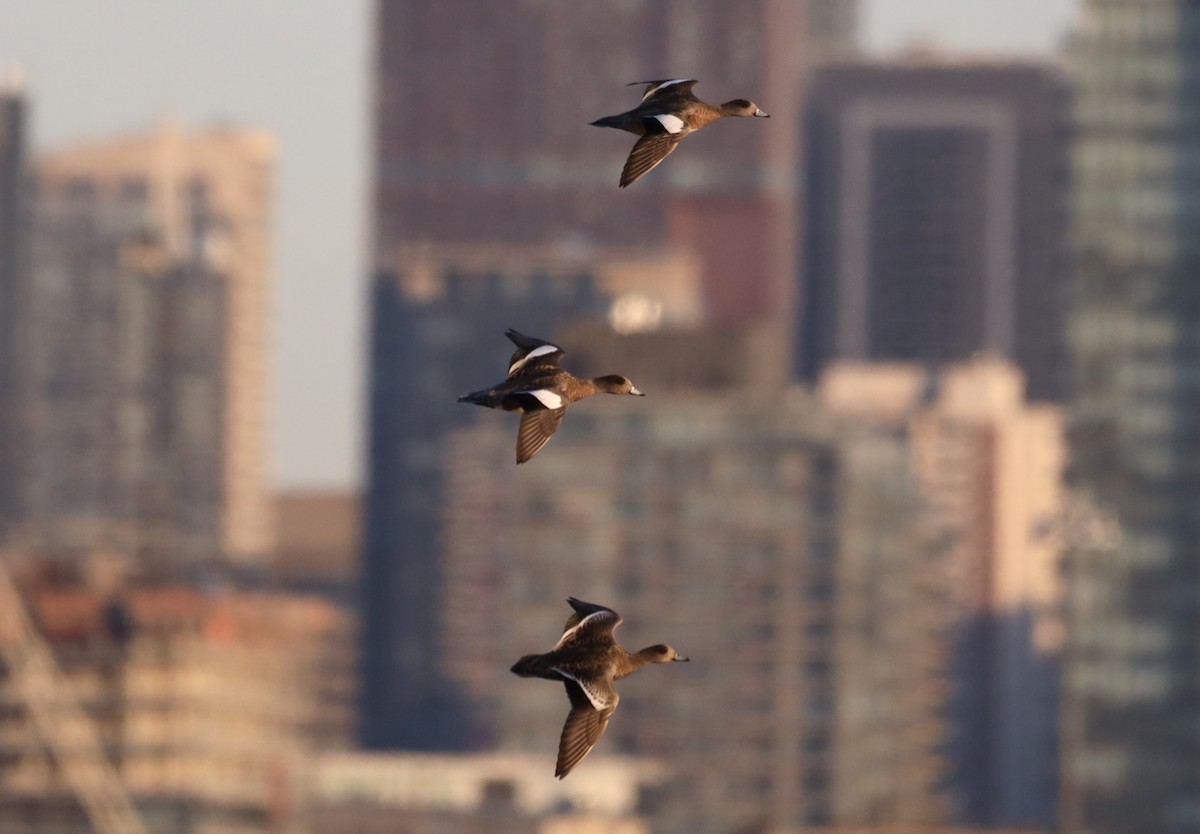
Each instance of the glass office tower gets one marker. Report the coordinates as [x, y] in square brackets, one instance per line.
[1131, 733]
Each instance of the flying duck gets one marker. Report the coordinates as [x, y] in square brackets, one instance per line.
[587, 660]
[541, 390]
[668, 112]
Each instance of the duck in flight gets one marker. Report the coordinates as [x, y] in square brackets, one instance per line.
[541, 390]
[587, 659]
[667, 113]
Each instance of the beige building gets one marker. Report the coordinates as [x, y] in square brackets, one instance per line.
[318, 535]
[122, 410]
[990, 465]
[462, 794]
[207, 705]
[905, 829]
[781, 549]
[644, 287]
[205, 197]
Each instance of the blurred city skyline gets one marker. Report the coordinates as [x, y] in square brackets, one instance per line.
[96, 72]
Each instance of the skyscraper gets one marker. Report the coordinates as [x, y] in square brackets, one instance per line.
[124, 372]
[1131, 739]
[778, 546]
[936, 215]
[482, 133]
[833, 28]
[990, 469]
[13, 213]
[482, 140]
[202, 200]
[438, 331]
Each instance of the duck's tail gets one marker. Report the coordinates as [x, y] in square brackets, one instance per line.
[478, 398]
[608, 121]
[528, 667]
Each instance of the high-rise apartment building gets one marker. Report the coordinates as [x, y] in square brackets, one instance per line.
[833, 28]
[13, 215]
[125, 390]
[148, 315]
[482, 133]
[439, 332]
[777, 545]
[1131, 735]
[936, 215]
[990, 466]
[482, 142]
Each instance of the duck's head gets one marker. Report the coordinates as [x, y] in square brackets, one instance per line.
[743, 107]
[662, 653]
[616, 384]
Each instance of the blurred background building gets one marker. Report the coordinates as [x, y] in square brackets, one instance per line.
[374, 793]
[124, 388]
[868, 573]
[460, 171]
[146, 347]
[13, 241]
[205, 703]
[1130, 736]
[318, 540]
[832, 29]
[781, 549]
[990, 469]
[936, 214]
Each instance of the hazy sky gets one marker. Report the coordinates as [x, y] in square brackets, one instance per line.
[96, 69]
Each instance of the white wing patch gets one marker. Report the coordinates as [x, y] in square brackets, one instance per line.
[672, 123]
[547, 398]
[540, 350]
[654, 90]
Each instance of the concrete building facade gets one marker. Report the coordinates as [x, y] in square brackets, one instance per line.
[539, 178]
[162, 236]
[936, 219]
[991, 469]
[207, 705]
[438, 331]
[125, 391]
[783, 553]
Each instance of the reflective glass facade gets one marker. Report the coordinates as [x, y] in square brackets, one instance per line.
[1132, 722]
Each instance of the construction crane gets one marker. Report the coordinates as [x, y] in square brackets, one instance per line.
[53, 704]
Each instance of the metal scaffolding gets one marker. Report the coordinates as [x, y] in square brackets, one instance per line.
[54, 707]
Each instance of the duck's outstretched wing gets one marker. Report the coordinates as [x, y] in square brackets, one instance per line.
[531, 352]
[536, 429]
[665, 87]
[647, 153]
[583, 728]
[590, 625]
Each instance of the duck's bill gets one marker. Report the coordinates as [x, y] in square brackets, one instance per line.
[762, 114]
